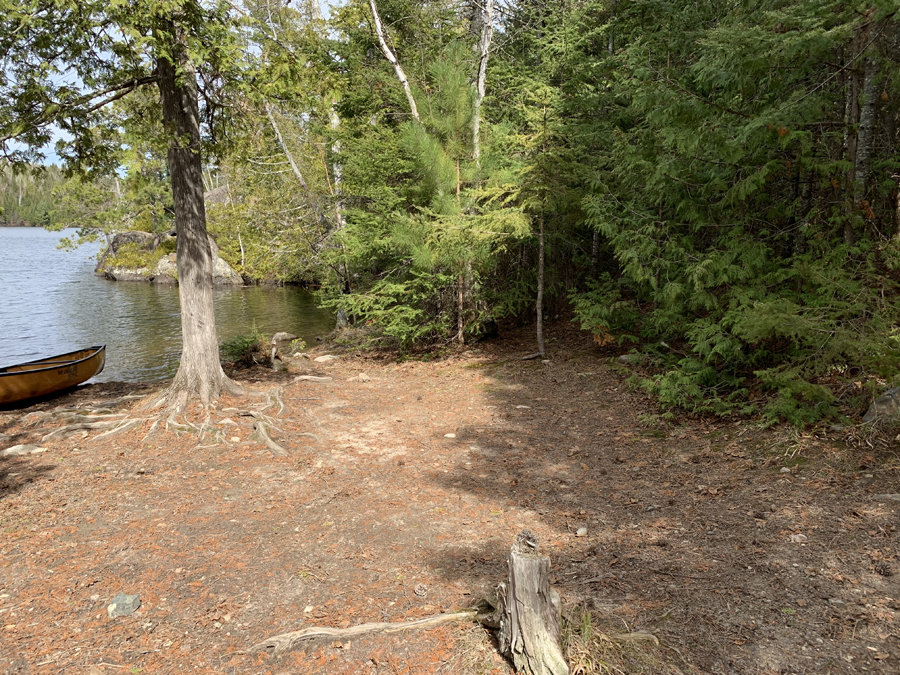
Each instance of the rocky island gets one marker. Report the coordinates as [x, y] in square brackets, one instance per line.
[135, 255]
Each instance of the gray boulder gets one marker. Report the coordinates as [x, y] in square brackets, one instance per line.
[127, 273]
[224, 274]
[885, 407]
[145, 241]
[166, 270]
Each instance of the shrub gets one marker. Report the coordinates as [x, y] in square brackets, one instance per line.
[244, 350]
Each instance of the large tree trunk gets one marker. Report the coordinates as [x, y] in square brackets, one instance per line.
[200, 372]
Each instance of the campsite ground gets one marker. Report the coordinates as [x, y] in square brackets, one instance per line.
[741, 550]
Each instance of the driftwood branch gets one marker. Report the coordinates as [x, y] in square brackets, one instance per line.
[282, 643]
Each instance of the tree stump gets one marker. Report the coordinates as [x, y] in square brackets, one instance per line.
[530, 611]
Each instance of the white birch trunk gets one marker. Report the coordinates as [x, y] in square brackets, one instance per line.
[389, 55]
[296, 169]
[484, 48]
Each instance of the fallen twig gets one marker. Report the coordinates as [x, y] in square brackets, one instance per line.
[282, 643]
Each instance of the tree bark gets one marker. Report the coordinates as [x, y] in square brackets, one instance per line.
[389, 55]
[200, 372]
[866, 129]
[484, 46]
[460, 309]
[539, 302]
[530, 612]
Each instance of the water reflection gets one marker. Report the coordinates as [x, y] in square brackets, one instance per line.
[54, 303]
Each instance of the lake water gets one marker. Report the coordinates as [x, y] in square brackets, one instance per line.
[54, 303]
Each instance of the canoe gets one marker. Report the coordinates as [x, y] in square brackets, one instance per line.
[46, 376]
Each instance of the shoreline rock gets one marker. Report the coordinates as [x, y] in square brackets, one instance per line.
[165, 271]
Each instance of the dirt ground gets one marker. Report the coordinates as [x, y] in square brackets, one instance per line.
[741, 550]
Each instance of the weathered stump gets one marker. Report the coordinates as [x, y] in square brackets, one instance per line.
[530, 611]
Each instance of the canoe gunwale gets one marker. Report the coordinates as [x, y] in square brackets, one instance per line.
[51, 364]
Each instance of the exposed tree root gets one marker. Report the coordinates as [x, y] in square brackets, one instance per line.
[153, 429]
[81, 425]
[282, 643]
[260, 428]
[124, 426]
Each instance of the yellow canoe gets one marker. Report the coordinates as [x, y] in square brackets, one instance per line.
[45, 376]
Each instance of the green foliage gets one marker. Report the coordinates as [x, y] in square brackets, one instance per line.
[26, 196]
[743, 262]
[244, 350]
[419, 309]
[132, 256]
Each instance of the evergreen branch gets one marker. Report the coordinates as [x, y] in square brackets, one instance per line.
[51, 113]
[677, 85]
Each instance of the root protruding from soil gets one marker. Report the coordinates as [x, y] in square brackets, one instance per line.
[281, 643]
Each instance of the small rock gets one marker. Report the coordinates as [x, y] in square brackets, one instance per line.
[312, 378]
[325, 358]
[836, 602]
[123, 605]
[449, 435]
[363, 377]
[886, 406]
[582, 532]
[798, 538]
[19, 450]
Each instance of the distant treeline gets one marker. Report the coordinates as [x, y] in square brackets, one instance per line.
[26, 199]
